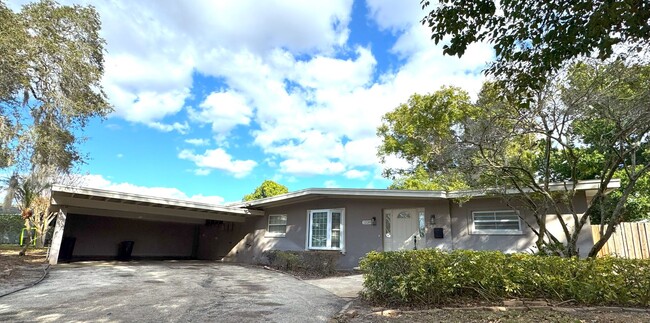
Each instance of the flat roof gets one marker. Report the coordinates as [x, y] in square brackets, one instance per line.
[92, 200]
[316, 193]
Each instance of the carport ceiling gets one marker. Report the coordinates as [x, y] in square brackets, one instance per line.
[82, 200]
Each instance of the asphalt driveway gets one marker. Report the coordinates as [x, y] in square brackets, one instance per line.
[181, 291]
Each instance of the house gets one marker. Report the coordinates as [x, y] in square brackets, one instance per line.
[93, 222]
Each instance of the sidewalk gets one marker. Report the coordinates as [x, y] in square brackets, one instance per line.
[344, 287]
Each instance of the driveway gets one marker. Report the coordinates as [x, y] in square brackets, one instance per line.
[180, 291]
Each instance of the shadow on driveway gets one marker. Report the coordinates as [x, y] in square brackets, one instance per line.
[179, 291]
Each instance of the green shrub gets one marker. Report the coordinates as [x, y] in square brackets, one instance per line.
[10, 227]
[313, 263]
[433, 277]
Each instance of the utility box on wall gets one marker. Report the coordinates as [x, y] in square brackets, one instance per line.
[438, 233]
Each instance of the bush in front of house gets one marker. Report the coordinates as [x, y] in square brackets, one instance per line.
[312, 263]
[434, 277]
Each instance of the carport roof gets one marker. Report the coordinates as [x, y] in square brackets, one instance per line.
[102, 202]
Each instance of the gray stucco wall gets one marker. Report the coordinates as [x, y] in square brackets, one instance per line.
[98, 236]
[359, 238]
[525, 242]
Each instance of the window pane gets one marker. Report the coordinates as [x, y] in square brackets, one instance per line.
[277, 219]
[507, 221]
[485, 226]
[319, 229]
[387, 225]
[508, 225]
[274, 228]
[483, 217]
[404, 215]
[336, 230]
[421, 224]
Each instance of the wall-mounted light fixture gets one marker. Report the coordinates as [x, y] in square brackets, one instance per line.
[374, 220]
[432, 219]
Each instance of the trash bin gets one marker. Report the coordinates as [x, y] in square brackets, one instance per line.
[67, 247]
[124, 250]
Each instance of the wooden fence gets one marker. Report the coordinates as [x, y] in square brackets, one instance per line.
[630, 240]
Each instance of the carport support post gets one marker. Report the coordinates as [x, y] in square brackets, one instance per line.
[57, 237]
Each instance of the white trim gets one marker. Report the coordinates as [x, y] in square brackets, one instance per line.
[328, 242]
[496, 231]
[585, 185]
[139, 199]
[270, 234]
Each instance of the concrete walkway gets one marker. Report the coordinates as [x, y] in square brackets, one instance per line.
[344, 287]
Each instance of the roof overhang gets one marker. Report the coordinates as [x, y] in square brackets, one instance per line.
[589, 186]
[319, 193]
[100, 202]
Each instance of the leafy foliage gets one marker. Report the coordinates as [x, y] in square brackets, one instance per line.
[422, 132]
[591, 122]
[31, 194]
[421, 180]
[10, 226]
[311, 263]
[534, 39]
[50, 83]
[268, 188]
[434, 277]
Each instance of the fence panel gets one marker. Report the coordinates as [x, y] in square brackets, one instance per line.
[630, 240]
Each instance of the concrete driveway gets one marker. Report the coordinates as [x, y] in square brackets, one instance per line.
[183, 291]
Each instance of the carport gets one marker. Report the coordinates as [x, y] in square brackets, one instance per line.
[97, 221]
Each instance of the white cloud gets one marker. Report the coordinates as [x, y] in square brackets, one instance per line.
[182, 128]
[202, 172]
[100, 182]
[311, 100]
[224, 110]
[218, 159]
[154, 48]
[395, 15]
[356, 174]
[119, 155]
[198, 141]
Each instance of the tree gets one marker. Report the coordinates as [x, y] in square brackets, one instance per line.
[268, 188]
[31, 195]
[427, 119]
[534, 39]
[50, 83]
[420, 179]
[593, 109]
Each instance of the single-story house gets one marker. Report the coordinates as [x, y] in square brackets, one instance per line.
[93, 222]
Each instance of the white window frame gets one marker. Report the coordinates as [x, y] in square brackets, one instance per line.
[496, 231]
[276, 234]
[308, 245]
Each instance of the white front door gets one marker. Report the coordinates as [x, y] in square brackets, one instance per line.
[403, 229]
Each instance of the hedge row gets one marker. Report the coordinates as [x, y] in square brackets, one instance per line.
[10, 227]
[312, 263]
[433, 277]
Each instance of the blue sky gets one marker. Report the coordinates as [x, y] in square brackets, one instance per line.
[213, 97]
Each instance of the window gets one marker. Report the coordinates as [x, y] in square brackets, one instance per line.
[326, 229]
[496, 222]
[277, 225]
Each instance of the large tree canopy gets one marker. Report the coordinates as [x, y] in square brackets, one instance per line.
[533, 39]
[591, 122]
[51, 65]
[268, 188]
